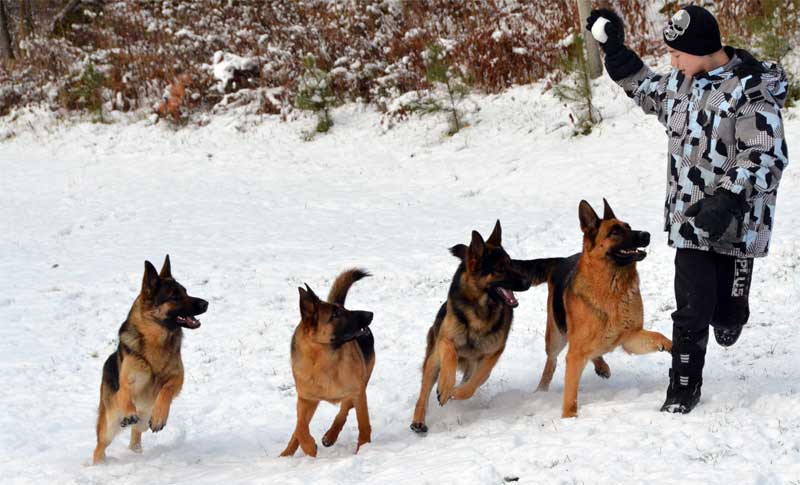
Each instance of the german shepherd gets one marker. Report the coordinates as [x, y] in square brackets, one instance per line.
[472, 326]
[593, 301]
[333, 354]
[144, 375]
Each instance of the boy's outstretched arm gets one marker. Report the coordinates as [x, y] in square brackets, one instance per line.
[641, 84]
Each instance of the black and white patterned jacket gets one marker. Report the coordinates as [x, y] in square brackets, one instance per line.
[725, 131]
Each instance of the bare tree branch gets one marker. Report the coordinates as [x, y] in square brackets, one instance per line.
[60, 21]
[6, 52]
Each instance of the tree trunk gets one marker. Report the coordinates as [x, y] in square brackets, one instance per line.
[6, 53]
[26, 25]
[592, 50]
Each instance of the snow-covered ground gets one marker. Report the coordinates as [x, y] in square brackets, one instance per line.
[248, 211]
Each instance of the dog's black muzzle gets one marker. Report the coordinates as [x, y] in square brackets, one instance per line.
[357, 326]
[628, 252]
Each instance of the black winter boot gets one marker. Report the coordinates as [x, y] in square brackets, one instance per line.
[682, 398]
[686, 375]
[727, 336]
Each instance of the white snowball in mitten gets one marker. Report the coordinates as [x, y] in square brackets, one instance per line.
[599, 30]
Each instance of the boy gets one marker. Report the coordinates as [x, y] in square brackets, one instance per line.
[727, 150]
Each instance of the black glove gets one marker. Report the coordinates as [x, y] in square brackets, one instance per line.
[715, 213]
[620, 61]
[615, 29]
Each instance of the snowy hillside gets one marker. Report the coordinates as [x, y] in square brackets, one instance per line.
[248, 212]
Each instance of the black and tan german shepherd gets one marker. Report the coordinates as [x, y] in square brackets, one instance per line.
[144, 375]
[333, 354]
[472, 326]
[593, 301]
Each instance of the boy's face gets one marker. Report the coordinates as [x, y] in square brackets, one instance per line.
[690, 65]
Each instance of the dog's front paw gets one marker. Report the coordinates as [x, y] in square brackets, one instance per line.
[362, 442]
[603, 370]
[157, 424]
[463, 392]
[129, 420]
[666, 345]
[310, 450]
[291, 448]
[419, 428]
[159, 418]
[570, 410]
[443, 394]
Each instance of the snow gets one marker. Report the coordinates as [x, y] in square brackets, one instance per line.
[226, 64]
[248, 212]
[567, 41]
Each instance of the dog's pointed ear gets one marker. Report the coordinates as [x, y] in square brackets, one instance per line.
[497, 235]
[150, 281]
[309, 306]
[311, 293]
[590, 223]
[608, 214]
[475, 252]
[166, 269]
[459, 251]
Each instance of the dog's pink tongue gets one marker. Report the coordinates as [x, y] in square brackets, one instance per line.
[509, 296]
[189, 322]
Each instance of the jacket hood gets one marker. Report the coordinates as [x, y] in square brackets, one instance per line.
[770, 75]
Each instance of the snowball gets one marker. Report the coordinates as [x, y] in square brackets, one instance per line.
[599, 30]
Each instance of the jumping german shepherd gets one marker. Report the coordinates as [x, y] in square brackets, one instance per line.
[472, 326]
[333, 354]
[144, 375]
[593, 301]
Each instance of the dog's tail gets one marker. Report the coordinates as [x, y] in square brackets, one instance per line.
[537, 270]
[459, 251]
[344, 281]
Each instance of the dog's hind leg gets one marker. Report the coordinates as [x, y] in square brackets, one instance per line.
[107, 428]
[136, 440]
[332, 434]
[645, 342]
[136, 432]
[362, 414]
[555, 341]
[430, 372]
[144, 410]
[468, 366]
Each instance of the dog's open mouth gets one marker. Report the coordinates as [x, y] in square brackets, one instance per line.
[507, 296]
[188, 321]
[354, 335]
[628, 255]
